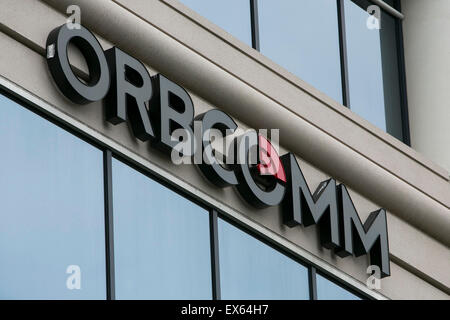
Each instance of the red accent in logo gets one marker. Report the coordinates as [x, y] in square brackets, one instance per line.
[269, 161]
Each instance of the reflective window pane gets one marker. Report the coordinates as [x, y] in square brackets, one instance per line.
[327, 290]
[250, 269]
[51, 210]
[161, 240]
[373, 68]
[303, 37]
[232, 15]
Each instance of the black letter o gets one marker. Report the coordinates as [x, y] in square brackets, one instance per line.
[58, 63]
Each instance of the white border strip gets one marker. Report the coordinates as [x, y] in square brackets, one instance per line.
[268, 234]
[388, 9]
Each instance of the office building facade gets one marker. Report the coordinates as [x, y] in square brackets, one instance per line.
[354, 91]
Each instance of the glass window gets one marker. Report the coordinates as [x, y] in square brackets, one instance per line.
[161, 240]
[250, 269]
[303, 37]
[232, 15]
[51, 210]
[373, 68]
[327, 290]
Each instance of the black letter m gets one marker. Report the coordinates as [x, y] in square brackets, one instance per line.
[360, 239]
[300, 207]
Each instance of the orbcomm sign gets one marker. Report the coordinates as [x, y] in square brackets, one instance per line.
[154, 107]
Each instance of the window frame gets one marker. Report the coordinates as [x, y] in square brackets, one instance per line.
[312, 269]
[344, 59]
[29, 106]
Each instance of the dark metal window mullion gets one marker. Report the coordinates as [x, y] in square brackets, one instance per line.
[214, 242]
[343, 54]
[109, 227]
[254, 24]
[312, 281]
[402, 76]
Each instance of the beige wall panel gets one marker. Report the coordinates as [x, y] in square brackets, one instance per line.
[427, 55]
